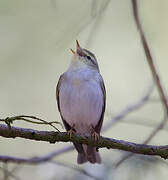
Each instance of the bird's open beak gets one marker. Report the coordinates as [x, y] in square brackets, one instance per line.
[78, 49]
[72, 51]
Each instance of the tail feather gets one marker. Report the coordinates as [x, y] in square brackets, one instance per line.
[92, 155]
[81, 158]
[87, 153]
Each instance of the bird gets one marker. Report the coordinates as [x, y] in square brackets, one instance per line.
[81, 100]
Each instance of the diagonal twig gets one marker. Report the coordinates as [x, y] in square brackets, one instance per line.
[36, 160]
[10, 174]
[130, 108]
[75, 168]
[149, 57]
[150, 137]
[155, 77]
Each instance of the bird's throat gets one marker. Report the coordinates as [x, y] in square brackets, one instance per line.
[77, 64]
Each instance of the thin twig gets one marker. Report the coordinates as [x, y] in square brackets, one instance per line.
[5, 171]
[130, 108]
[97, 14]
[75, 168]
[10, 120]
[10, 174]
[149, 57]
[142, 122]
[35, 160]
[155, 77]
[156, 130]
[150, 137]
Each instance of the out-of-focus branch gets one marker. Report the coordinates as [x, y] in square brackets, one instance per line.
[130, 108]
[155, 77]
[156, 130]
[76, 168]
[36, 160]
[42, 159]
[103, 142]
[9, 174]
[149, 56]
[150, 137]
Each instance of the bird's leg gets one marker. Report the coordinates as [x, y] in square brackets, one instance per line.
[95, 135]
[71, 131]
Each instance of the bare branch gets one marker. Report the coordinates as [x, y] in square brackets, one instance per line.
[103, 142]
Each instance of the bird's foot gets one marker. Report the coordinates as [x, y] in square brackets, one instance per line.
[71, 131]
[96, 136]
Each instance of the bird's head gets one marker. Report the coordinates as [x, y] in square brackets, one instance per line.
[84, 57]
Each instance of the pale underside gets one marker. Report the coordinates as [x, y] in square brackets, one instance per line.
[81, 99]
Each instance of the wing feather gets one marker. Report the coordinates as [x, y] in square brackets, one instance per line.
[67, 126]
[57, 91]
[99, 125]
[78, 147]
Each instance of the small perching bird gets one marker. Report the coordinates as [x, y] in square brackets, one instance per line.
[81, 99]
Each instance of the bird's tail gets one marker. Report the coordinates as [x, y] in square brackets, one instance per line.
[89, 154]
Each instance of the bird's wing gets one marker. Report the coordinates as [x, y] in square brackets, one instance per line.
[99, 125]
[67, 126]
[78, 147]
[57, 91]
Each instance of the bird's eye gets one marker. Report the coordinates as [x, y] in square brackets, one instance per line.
[89, 57]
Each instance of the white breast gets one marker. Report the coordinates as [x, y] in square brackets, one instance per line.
[81, 100]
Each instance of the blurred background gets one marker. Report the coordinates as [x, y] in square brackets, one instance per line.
[35, 41]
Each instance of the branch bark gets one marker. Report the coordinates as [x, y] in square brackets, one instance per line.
[103, 142]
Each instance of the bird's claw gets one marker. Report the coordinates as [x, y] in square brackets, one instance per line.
[96, 136]
[70, 132]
